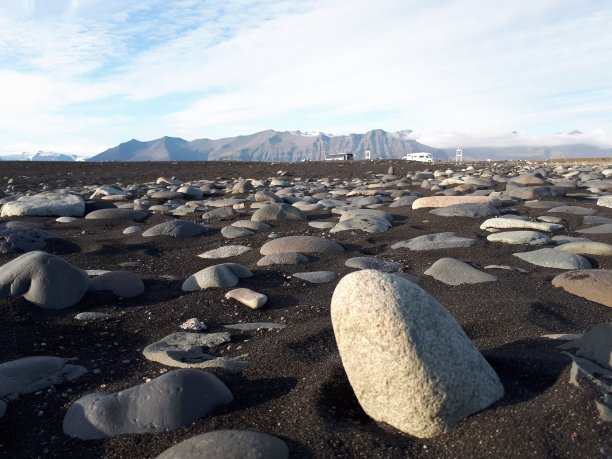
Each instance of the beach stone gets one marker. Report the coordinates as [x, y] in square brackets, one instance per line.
[408, 361]
[107, 191]
[595, 220]
[45, 205]
[563, 239]
[91, 316]
[192, 350]
[278, 212]
[573, 210]
[456, 272]
[165, 195]
[176, 228]
[46, 280]
[301, 244]
[587, 248]
[228, 444]
[445, 201]
[403, 201]
[22, 239]
[321, 225]
[191, 192]
[366, 223]
[553, 258]
[132, 230]
[467, 210]
[225, 251]
[534, 192]
[356, 213]
[248, 297]
[605, 201]
[220, 213]
[255, 326]
[373, 263]
[316, 277]
[264, 196]
[31, 374]
[512, 223]
[251, 225]
[117, 214]
[592, 284]
[542, 204]
[124, 284]
[549, 219]
[234, 232]
[193, 324]
[173, 400]
[284, 258]
[435, 241]
[217, 276]
[595, 345]
[606, 228]
[520, 237]
[65, 219]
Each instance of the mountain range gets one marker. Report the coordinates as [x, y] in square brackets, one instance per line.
[269, 145]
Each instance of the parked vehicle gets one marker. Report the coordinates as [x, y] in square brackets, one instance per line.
[339, 157]
[420, 157]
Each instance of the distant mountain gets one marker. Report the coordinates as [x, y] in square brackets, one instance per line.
[38, 156]
[536, 152]
[269, 145]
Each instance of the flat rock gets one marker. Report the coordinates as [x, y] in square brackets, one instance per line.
[278, 212]
[408, 361]
[595, 220]
[512, 223]
[435, 241]
[235, 232]
[542, 204]
[46, 280]
[22, 239]
[605, 201]
[31, 374]
[251, 225]
[456, 272]
[225, 251]
[321, 225]
[173, 400]
[373, 263]
[192, 350]
[117, 214]
[553, 258]
[228, 444]
[595, 345]
[467, 210]
[45, 205]
[606, 228]
[124, 284]
[91, 316]
[255, 326]
[316, 277]
[587, 248]
[366, 223]
[301, 244]
[176, 228]
[520, 237]
[248, 297]
[573, 210]
[284, 258]
[592, 284]
[217, 276]
[220, 213]
[445, 201]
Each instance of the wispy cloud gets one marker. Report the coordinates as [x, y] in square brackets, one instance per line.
[222, 68]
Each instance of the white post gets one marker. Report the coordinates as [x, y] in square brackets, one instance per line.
[367, 154]
[459, 155]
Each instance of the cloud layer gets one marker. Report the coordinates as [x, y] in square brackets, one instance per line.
[82, 75]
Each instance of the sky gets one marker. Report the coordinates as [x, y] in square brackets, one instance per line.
[81, 76]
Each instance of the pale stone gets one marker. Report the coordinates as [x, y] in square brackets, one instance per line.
[248, 297]
[445, 201]
[510, 223]
[45, 205]
[592, 284]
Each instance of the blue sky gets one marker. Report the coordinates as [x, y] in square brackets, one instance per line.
[80, 76]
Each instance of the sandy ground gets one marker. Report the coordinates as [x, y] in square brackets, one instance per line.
[296, 388]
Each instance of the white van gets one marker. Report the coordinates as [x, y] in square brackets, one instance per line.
[420, 157]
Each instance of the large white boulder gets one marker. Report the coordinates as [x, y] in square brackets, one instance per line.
[408, 361]
[45, 205]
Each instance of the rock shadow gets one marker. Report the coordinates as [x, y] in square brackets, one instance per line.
[250, 393]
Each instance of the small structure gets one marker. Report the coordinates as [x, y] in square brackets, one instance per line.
[339, 157]
[368, 154]
[459, 155]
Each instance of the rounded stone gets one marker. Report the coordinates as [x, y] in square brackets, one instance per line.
[455, 272]
[520, 237]
[553, 258]
[592, 284]
[278, 211]
[408, 361]
[117, 214]
[124, 284]
[176, 228]
[225, 251]
[217, 276]
[45, 205]
[301, 244]
[445, 201]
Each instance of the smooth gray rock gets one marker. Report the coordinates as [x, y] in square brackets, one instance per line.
[192, 350]
[278, 212]
[91, 316]
[45, 205]
[408, 361]
[373, 263]
[217, 276]
[117, 214]
[132, 230]
[316, 277]
[354, 213]
[606, 228]
[366, 223]
[251, 225]
[173, 400]
[403, 201]
[514, 223]
[225, 251]
[595, 220]
[467, 210]
[520, 237]
[435, 241]
[573, 210]
[221, 213]
[31, 374]
[455, 272]
[321, 225]
[285, 258]
[176, 228]
[301, 244]
[551, 258]
[595, 345]
[43, 279]
[124, 284]
[234, 232]
[228, 444]
[23, 239]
